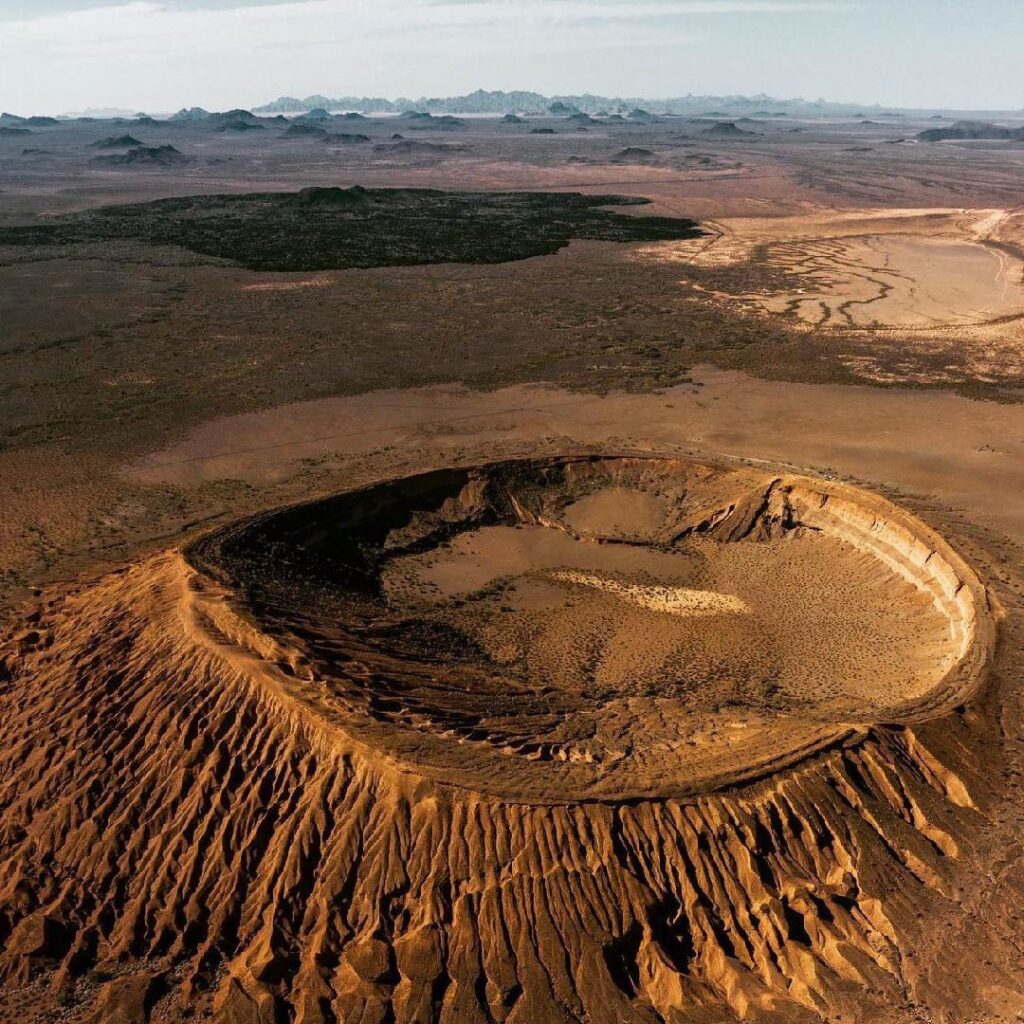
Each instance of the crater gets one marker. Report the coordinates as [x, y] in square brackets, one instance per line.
[600, 627]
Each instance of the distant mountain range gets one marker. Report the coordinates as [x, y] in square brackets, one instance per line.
[523, 102]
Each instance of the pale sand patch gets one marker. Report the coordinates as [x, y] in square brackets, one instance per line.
[320, 281]
[903, 269]
[682, 601]
[969, 453]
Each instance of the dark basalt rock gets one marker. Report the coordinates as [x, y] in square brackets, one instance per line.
[325, 228]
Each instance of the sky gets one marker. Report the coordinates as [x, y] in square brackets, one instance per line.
[59, 56]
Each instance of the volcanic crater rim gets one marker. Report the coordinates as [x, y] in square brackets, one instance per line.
[600, 627]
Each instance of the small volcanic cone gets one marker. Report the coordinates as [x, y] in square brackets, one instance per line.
[146, 156]
[116, 142]
[727, 130]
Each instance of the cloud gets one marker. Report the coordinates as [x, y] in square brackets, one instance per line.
[146, 26]
[158, 54]
[83, 13]
[679, 7]
[150, 23]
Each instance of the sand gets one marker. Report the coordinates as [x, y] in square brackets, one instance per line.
[356, 838]
[915, 270]
[612, 763]
[969, 452]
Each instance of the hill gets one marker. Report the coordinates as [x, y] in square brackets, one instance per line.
[191, 114]
[727, 130]
[116, 142]
[146, 156]
[971, 130]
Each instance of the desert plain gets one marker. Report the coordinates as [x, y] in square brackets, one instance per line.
[539, 570]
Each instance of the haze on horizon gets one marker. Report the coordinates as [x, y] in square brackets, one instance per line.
[159, 55]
